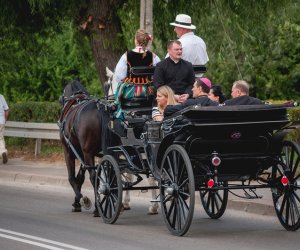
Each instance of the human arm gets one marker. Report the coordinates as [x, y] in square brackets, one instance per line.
[6, 114]
[156, 59]
[121, 68]
[171, 109]
[157, 115]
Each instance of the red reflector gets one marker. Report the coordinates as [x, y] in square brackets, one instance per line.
[216, 161]
[210, 183]
[284, 180]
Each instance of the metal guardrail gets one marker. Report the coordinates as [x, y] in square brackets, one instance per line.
[33, 130]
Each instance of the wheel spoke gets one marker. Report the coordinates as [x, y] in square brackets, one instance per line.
[287, 211]
[212, 203]
[283, 203]
[291, 158]
[296, 167]
[219, 196]
[292, 210]
[167, 173]
[172, 176]
[174, 215]
[183, 183]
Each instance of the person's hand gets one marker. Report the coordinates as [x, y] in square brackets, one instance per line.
[177, 98]
[183, 98]
[158, 118]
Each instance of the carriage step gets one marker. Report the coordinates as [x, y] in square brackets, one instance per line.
[91, 168]
[157, 200]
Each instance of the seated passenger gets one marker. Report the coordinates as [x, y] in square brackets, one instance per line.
[216, 94]
[200, 91]
[240, 95]
[165, 96]
[134, 85]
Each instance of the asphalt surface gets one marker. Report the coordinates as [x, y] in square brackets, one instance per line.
[55, 173]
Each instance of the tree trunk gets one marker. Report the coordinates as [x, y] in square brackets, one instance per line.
[104, 29]
[146, 17]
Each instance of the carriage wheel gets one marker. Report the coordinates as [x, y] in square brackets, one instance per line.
[215, 201]
[108, 189]
[177, 190]
[287, 198]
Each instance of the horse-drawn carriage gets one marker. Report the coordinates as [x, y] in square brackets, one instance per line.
[212, 150]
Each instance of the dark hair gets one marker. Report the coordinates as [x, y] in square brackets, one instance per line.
[201, 84]
[171, 42]
[217, 91]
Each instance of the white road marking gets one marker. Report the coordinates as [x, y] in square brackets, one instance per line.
[36, 243]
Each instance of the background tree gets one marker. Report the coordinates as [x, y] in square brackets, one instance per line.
[44, 42]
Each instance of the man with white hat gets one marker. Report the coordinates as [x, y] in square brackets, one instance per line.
[193, 47]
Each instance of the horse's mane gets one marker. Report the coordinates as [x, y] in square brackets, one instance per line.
[74, 87]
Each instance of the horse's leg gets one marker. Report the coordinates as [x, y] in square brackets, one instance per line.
[90, 161]
[70, 162]
[126, 206]
[153, 209]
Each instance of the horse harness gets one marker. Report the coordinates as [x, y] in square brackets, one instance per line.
[74, 104]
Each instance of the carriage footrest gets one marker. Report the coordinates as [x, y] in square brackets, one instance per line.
[157, 200]
[88, 167]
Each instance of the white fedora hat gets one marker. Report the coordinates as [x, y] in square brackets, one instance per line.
[183, 21]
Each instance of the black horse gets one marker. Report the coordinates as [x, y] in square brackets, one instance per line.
[84, 134]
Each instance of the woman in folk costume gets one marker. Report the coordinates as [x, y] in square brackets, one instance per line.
[134, 85]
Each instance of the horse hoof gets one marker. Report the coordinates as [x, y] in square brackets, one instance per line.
[152, 211]
[96, 214]
[76, 209]
[125, 207]
[86, 202]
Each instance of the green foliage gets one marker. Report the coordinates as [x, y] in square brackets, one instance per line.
[294, 114]
[34, 64]
[35, 112]
[255, 40]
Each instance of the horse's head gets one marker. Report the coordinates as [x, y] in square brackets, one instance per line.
[71, 89]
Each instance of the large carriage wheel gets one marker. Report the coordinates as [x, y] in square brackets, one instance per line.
[287, 197]
[215, 201]
[177, 190]
[108, 189]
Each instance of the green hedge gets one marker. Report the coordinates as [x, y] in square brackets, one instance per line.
[35, 112]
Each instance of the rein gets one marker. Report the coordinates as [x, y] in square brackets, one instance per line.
[73, 100]
[75, 104]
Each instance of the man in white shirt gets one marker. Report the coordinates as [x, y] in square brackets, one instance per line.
[193, 47]
[3, 119]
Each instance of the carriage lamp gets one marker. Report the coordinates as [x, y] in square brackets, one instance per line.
[210, 183]
[216, 161]
[284, 180]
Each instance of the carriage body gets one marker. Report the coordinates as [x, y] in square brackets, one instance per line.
[210, 150]
[245, 138]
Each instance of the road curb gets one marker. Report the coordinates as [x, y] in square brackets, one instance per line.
[34, 179]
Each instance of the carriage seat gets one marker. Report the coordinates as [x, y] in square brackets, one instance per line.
[137, 102]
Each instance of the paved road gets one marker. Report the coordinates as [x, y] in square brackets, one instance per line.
[34, 216]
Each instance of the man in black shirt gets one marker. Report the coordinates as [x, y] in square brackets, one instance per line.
[240, 95]
[175, 72]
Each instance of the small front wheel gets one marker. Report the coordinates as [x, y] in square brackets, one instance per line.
[108, 189]
[177, 190]
[215, 201]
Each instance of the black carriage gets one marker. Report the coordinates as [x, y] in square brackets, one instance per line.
[208, 149]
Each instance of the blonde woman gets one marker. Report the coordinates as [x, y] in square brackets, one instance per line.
[165, 96]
